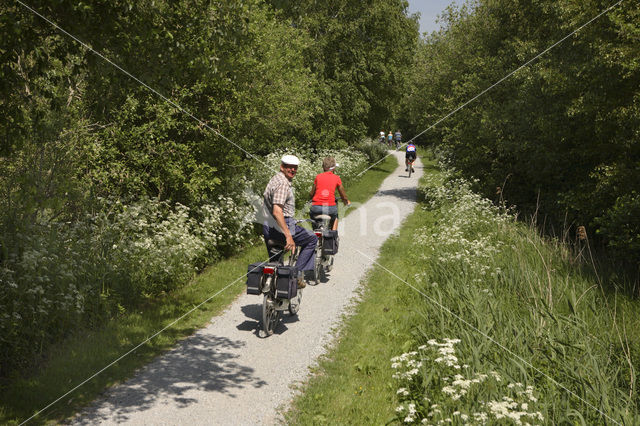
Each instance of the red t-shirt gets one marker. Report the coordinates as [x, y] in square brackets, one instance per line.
[326, 184]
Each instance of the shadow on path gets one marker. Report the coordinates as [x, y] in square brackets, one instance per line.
[201, 363]
[254, 322]
[403, 194]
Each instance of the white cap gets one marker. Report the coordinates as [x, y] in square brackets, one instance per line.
[290, 159]
[334, 166]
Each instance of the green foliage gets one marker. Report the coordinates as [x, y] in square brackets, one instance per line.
[560, 136]
[110, 194]
[360, 53]
[372, 149]
[81, 273]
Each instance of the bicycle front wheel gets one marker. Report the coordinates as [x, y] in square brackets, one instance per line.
[270, 315]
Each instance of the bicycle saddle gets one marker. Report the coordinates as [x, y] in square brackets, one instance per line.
[271, 243]
[321, 217]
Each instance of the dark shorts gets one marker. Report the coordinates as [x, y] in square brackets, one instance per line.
[410, 155]
[328, 210]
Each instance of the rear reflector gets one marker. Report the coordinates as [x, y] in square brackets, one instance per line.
[318, 234]
[268, 270]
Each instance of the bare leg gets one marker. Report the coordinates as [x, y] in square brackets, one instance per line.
[335, 225]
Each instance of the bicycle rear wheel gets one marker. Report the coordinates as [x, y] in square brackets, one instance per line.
[317, 267]
[410, 168]
[270, 316]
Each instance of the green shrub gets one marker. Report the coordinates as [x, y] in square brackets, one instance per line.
[372, 149]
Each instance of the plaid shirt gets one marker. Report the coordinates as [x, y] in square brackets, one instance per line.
[279, 191]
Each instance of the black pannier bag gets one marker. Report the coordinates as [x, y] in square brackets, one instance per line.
[287, 282]
[254, 277]
[330, 242]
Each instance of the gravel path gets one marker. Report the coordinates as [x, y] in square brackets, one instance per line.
[225, 373]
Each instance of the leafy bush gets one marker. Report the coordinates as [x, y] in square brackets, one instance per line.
[372, 149]
[69, 274]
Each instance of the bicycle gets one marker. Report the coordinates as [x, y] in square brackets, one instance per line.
[274, 301]
[410, 165]
[323, 259]
[277, 283]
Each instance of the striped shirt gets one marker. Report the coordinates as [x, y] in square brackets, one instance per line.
[280, 191]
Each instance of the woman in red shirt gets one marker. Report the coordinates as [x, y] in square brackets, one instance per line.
[323, 199]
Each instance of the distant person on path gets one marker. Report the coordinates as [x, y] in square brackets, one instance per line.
[390, 139]
[323, 193]
[381, 138]
[398, 138]
[410, 153]
[279, 223]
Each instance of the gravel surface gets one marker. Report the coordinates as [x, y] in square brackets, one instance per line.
[226, 373]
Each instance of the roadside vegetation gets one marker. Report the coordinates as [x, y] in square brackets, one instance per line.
[473, 317]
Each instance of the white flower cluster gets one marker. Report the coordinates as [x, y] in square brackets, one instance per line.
[515, 410]
[446, 352]
[406, 365]
[454, 397]
[67, 269]
[470, 237]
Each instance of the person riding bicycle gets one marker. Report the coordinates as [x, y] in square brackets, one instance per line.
[323, 199]
[398, 138]
[381, 138]
[279, 223]
[390, 139]
[411, 152]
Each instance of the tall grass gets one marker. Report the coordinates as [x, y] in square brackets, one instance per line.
[529, 337]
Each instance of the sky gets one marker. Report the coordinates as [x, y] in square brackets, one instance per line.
[429, 10]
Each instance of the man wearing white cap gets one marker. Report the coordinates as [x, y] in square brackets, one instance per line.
[280, 224]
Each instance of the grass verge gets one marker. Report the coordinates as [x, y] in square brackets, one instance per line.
[502, 327]
[81, 356]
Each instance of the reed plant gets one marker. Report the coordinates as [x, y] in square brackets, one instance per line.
[508, 327]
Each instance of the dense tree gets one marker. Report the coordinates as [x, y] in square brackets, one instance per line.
[361, 52]
[560, 136]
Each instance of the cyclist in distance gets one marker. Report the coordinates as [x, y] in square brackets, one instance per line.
[279, 222]
[398, 137]
[410, 153]
[323, 198]
[381, 138]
